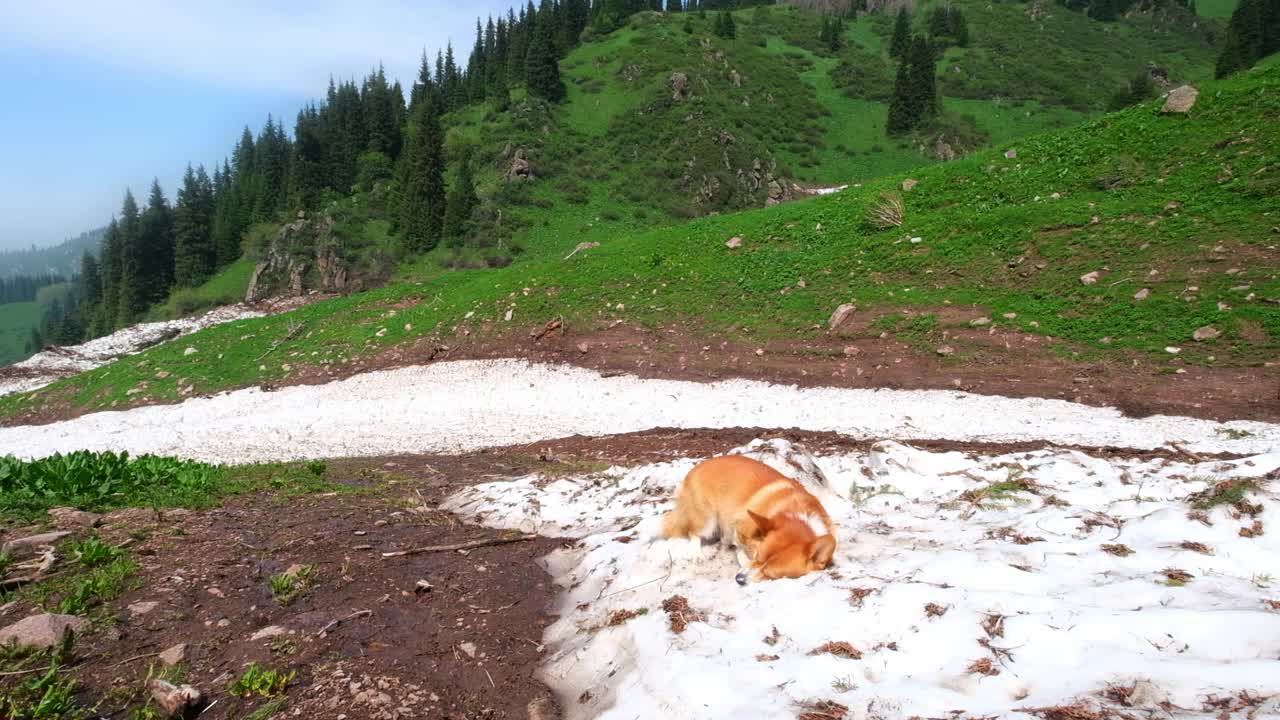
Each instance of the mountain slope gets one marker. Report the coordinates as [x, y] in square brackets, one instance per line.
[1009, 240]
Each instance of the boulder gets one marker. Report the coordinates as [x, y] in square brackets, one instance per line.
[979, 322]
[301, 251]
[65, 518]
[520, 167]
[1011, 154]
[41, 632]
[1180, 99]
[679, 83]
[841, 315]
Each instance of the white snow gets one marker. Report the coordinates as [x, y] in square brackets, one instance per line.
[54, 364]
[467, 405]
[1075, 619]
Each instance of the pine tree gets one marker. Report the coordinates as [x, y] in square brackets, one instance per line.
[112, 269]
[924, 82]
[542, 70]
[194, 253]
[90, 292]
[901, 41]
[422, 188]
[462, 202]
[902, 112]
[156, 245]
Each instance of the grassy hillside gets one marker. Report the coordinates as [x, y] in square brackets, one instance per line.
[1181, 206]
[16, 321]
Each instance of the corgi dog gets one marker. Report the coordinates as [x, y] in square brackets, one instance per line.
[779, 528]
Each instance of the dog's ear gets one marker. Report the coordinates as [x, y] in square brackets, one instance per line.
[762, 522]
[821, 550]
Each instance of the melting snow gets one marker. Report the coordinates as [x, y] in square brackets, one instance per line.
[1061, 590]
[51, 365]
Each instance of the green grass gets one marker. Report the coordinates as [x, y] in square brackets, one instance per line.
[16, 321]
[108, 481]
[1216, 8]
[289, 586]
[991, 235]
[225, 288]
[258, 681]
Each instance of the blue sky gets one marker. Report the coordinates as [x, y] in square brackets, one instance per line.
[101, 96]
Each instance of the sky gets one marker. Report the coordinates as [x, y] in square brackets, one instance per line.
[101, 96]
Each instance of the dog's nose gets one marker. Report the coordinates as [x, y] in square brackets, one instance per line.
[741, 578]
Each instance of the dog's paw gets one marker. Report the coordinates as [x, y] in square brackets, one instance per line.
[685, 549]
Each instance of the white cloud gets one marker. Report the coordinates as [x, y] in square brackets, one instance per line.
[288, 47]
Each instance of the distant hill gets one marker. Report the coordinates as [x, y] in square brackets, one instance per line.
[61, 259]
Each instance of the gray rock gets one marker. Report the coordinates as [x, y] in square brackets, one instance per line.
[40, 632]
[946, 350]
[139, 609]
[841, 315]
[22, 547]
[267, 632]
[1208, 332]
[1090, 278]
[1180, 99]
[1142, 294]
[175, 655]
[679, 85]
[66, 518]
[979, 322]
[733, 243]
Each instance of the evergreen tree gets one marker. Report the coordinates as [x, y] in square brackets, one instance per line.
[902, 112]
[308, 176]
[924, 80]
[112, 270]
[462, 202]
[132, 299]
[674, 6]
[90, 290]
[901, 41]
[1253, 32]
[194, 253]
[542, 69]
[156, 243]
[422, 188]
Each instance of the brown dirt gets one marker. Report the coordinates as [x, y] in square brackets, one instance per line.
[988, 360]
[467, 649]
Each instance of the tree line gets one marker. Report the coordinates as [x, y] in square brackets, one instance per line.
[1253, 32]
[24, 288]
[359, 135]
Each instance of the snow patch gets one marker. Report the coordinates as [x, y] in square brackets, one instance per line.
[977, 584]
[56, 363]
[467, 405]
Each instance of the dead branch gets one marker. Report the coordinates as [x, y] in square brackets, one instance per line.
[460, 546]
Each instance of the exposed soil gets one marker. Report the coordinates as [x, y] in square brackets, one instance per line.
[989, 360]
[467, 648]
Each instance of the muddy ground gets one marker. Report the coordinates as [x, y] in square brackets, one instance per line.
[987, 360]
[447, 634]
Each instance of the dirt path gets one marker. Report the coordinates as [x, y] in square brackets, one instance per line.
[467, 648]
[989, 361]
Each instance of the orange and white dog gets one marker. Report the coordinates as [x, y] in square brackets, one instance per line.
[779, 528]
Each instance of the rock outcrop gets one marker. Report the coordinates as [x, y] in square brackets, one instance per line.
[679, 85]
[520, 167]
[304, 255]
[1180, 100]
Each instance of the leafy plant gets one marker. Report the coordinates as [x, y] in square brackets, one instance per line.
[289, 586]
[262, 682]
[93, 552]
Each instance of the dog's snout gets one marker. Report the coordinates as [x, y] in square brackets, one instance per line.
[741, 578]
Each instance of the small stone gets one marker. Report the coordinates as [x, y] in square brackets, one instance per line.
[1090, 278]
[68, 518]
[1173, 350]
[381, 333]
[1223, 307]
[468, 648]
[162, 374]
[841, 315]
[216, 592]
[190, 351]
[1142, 294]
[917, 240]
[1208, 332]
[40, 632]
[1056, 196]
[733, 243]
[224, 623]
[174, 655]
[422, 586]
[1011, 154]
[509, 314]
[583, 348]
[851, 350]
[139, 609]
[909, 184]
[946, 350]
[269, 631]
[979, 322]
[1010, 316]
